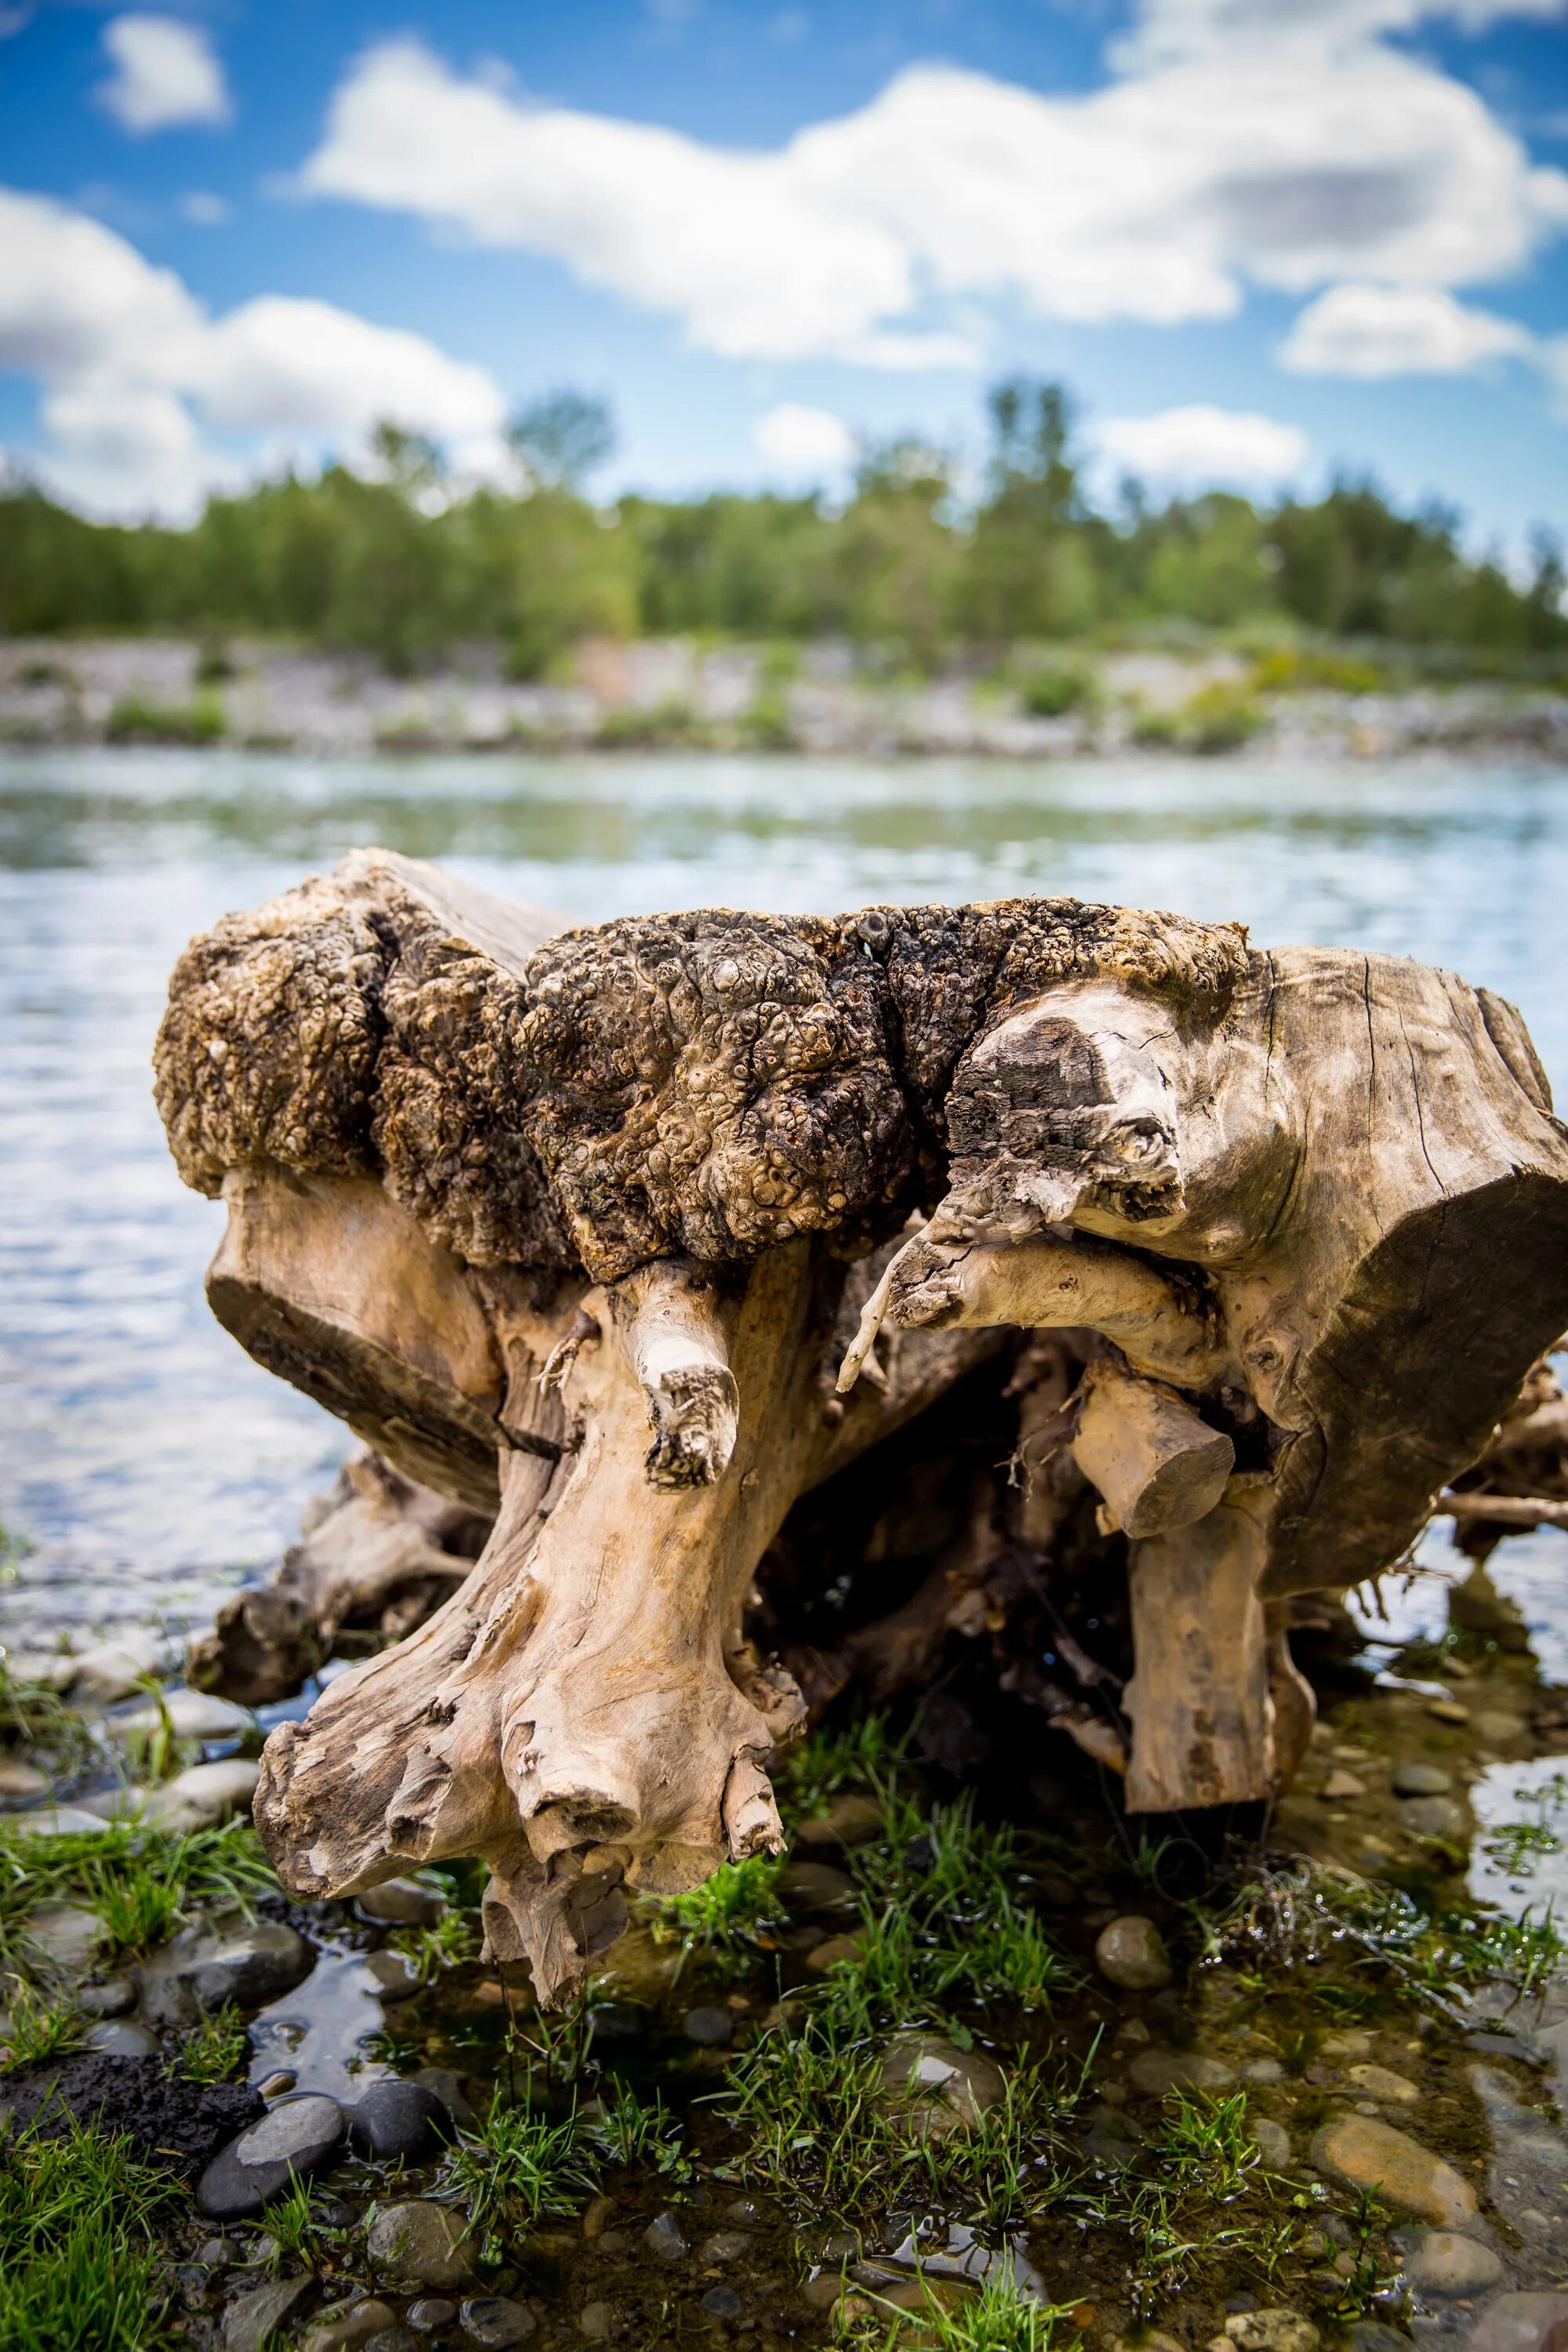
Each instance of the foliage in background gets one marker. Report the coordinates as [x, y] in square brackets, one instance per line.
[141, 1883]
[405, 563]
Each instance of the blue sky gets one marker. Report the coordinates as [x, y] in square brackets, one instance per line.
[1260, 238]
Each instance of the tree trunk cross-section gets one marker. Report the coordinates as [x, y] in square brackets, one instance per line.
[630, 1236]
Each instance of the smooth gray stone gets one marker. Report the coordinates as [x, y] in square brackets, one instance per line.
[711, 2027]
[248, 2322]
[496, 2322]
[402, 1902]
[112, 1998]
[122, 2040]
[1421, 1780]
[430, 2312]
[398, 2121]
[723, 2303]
[301, 2131]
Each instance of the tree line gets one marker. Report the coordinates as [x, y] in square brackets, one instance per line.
[400, 562]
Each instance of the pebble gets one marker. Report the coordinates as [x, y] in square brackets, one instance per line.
[396, 1978]
[1500, 1730]
[1273, 2330]
[1518, 2323]
[277, 2086]
[448, 2088]
[398, 2121]
[203, 1796]
[301, 2132]
[1263, 2070]
[723, 2246]
[596, 2213]
[1432, 1817]
[1444, 2263]
[1152, 2341]
[248, 2323]
[192, 1714]
[1342, 1784]
[935, 2088]
[251, 1965]
[57, 1820]
[122, 2040]
[663, 2237]
[431, 2311]
[833, 1953]
[295, 2137]
[1348, 2045]
[723, 2303]
[68, 1934]
[849, 1820]
[816, 1886]
[1111, 2139]
[711, 2027]
[1367, 2154]
[111, 1671]
[393, 2339]
[402, 1903]
[596, 2321]
[1420, 1780]
[348, 2324]
[1447, 1710]
[1271, 2140]
[1382, 2082]
[495, 2321]
[1159, 2071]
[19, 1779]
[218, 2253]
[421, 2243]
[110, 1999]
[1130, 1952]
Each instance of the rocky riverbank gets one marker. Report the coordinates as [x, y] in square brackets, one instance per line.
[988, 2066]
[679, 693]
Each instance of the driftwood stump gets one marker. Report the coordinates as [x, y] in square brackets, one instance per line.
[629, 1238]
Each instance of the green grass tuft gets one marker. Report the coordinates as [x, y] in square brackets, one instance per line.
[80, 2267]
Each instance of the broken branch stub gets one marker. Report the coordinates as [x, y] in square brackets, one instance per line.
[564, 1222]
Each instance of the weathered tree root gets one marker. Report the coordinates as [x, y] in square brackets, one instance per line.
[561, 1225]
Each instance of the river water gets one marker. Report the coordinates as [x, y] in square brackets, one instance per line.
[146, 1465]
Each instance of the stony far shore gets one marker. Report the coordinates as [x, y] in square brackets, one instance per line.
[820, 699]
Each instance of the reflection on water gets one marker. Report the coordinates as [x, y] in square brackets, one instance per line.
[145, 1458]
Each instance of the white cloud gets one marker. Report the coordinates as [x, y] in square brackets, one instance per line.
[204, 210]
[164, 72]
[1168, 30]
[1202, 446]
[1383, 331]
[803, 441]
[1159, 198]
[132, 366]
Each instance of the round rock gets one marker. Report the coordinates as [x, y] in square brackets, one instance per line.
[301, 2132]
[402, 1903]
[1421, 1780]
[1382, 2082]
[204, 1795]
[817, 1886]
[430, 2312]
[122, 2040]
[934, 2088]
[19, 1779]
[1159, 2071]
[1130, 1952]
[1445, 2262]
[710, 2027]
[1271, 2140]
[422, 2245]
[1432, 1817]
[112, 1998]
[398, 2121]
[495, 2321]
[396, 1978]
[1273, 2330]
[1367, 2154]
[723, 2303]
[849, 1820]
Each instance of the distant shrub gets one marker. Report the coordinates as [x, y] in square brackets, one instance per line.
[1218, 717]
[137, 718]
[215, 664]
[1284, 669]
[665, 725]
[1053, 691]
[768, 726]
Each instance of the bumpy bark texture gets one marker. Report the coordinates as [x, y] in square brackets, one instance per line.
[609, 1208]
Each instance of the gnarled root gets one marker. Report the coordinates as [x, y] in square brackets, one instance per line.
[583, 1712]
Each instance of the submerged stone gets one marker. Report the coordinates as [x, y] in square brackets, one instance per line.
[816, 1886]
[1445, 2262]
[1130, 1952]
[422, 2243]
[849, 1820]
[1367, 2154]
[935, 2088]
[1432, 1817]
[1271, 2140]
[1421, 1780]
[1276, 2329]
[348, 2326]
[723, 2303]
[1382, 2082]
[1159, 2071]
[710, 2027]
[495, 2321]
[662, 2237]
[1520, 2322]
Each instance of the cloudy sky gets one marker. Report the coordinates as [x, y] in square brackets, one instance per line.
[1261, 239]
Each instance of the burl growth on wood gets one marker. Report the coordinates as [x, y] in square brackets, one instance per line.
[624, 1240]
